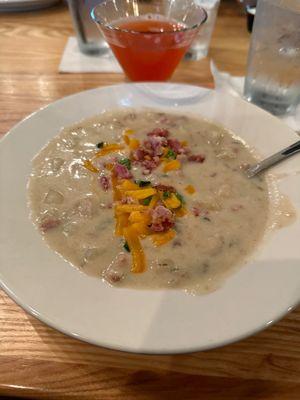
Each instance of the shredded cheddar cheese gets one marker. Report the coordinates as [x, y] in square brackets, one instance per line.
[135, 201]
[190, 189]
[126, 139]
[121, 223]
[128, 208]
[109, 148]
[134, 144]
[128, 185]
[128, 132]
[172, 201]
[138, 257]
[180, 212]
[138, 216]
[172, 165]
[141, 193]
[153, 201]
[88, 165]
[159, 239]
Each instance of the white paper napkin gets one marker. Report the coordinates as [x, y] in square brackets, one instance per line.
[235, 86]
[75, 61]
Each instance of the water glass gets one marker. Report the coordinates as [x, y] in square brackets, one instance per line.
[273, 73]
[200, 45]
[88, 38]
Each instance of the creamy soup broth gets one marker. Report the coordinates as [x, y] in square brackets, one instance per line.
[225, 214]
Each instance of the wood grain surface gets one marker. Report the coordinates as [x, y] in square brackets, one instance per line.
[39, 362]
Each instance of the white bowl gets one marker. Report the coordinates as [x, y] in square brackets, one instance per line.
[164, 321]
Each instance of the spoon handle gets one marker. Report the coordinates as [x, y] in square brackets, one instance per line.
[274, 159]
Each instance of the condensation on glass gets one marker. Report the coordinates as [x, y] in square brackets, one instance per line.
[273, 74]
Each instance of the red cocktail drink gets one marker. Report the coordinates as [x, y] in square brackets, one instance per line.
[148, 46]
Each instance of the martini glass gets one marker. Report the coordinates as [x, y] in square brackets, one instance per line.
[149, 38]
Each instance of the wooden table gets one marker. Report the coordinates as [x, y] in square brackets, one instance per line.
[38, 362]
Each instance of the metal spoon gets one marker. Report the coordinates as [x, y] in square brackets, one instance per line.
[272, 160]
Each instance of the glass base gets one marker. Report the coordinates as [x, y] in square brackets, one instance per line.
[94, 48]
[196, 53]
[277, 102]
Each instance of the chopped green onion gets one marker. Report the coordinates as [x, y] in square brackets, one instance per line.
[146, 201]
[180, 197]
[126, 162]
[166, 194]
[126, 247]
[171, 154]
[100, 145]
[142, 183]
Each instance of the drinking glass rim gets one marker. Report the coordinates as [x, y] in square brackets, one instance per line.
[116, 28]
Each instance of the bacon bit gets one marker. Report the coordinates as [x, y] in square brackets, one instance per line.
[237, 207]
[199, 158]
[148, 154]
[165, 188]
[190, 189]
[139, 154]
[159, 239]
[196, 211]
[175, 145]
[104, 182]
[154, 144]
[162, 219]
[122, 171]
[49, 223]
[159, 132]
[172, 165]
[149, 165]
[88, 165]
[113, 276]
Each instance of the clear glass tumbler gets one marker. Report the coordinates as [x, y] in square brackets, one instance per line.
[200, 45]
[149, 38]
[273, 73]
[88, 38]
